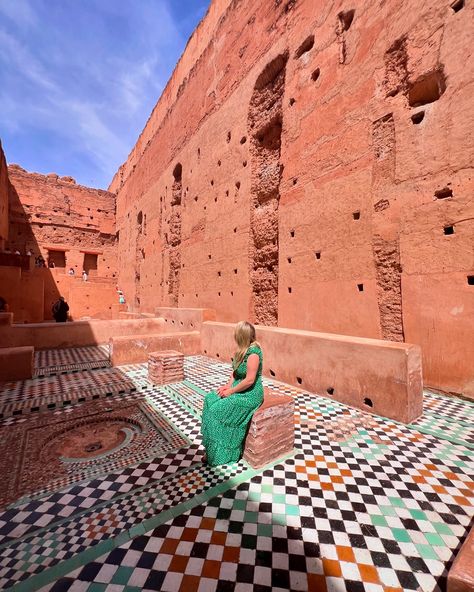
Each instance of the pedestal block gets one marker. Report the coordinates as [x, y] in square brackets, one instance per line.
[165, 367]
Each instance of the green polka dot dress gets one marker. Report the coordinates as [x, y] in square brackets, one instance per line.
[225, 421]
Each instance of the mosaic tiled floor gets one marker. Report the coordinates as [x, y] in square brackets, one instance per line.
[57, 361]
[365, 504]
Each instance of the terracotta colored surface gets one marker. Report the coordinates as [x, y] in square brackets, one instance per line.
[135, 349]
[165, 367]
[311, 175]
[78, 333]
[271, 432]
[461, 574]
[16, 363]
[185, 319]
[374, 375]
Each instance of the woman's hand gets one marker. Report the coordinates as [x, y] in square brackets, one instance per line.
[225, 391]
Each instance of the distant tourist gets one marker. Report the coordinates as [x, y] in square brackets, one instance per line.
[228, 412]
[121, 298]
[71, 271]
[51, 264]
[60, 310]
[84, 276]
[3, 305]
[29, 253]
[17, 252]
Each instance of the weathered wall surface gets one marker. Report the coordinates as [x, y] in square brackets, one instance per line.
[325, 175]
[70, 224]
[4, 189]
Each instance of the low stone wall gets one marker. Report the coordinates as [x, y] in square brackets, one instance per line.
[378, 376]
[185, 319]
[75, 334]
[134, 349]
[16, 363]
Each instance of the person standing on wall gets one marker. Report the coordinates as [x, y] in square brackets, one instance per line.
[84, 276]
[60, 310]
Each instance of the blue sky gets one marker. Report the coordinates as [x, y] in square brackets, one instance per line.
[79, 78]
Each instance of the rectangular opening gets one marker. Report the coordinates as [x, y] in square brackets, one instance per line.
[56, 258]
[470, 280]
[317, 254]
[356, 215]
[444, 193]
[449, 230]
[360, 287]
[90, 262]
[457, 5]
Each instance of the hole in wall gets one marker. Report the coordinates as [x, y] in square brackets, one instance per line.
[315, 74]
[217, 356]
[457, 5]
[356, 215]
[417, 118]
[209, 256]
[199, 151]
[427, 88]
[237, 184]
[272, 373]
[299, 380]
[219, 163]
[244, 163]
[368, 402]
[289, 290]
[295, 180]
[243, 139]
[231, 293]
[330, 390]
[235, 230]
[448, 230]
[178, 172]
[444, 193]
[205, 351]
[218, 293]
[140, 218]
[317, 254]
[235, 271]
[306, 46]
[345, 18]
[229, 137]
[212, 181]
[292, 101]
[470, 280]
[289, 259]
[360, 287]
[219, 273]
[292, 233]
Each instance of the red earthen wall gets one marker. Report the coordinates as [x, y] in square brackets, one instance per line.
[4, 189]
[324, 151]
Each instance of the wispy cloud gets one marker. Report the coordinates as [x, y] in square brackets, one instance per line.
[80, 79]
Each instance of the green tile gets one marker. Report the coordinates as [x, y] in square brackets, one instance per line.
[292, 511]
[267, 488]
[279, 519]
[279, 498]
[251, 517]
[427, 552]
[265, 530]
[434, 539]
[96, 587]
[122, 575]
[401, 535]
[442, 528]
[378, 520]
[396, 501]
[388, 510]
[418, 515]
[239, 504]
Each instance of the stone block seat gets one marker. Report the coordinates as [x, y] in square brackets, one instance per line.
[271, 433]
[165, 367]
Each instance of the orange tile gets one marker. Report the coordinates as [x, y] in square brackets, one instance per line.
[189, 534]
[207, 524]
[211, 569]
[169, 546]
[432, 467]
[319, 459]
[368, 573]
[331, 567]
[418, 479]
[346, 472]
[393, 590]
[300, 469]
[218, 538]
[310, 463]
[178, 563]
[467, 492]
[337, 479]
[440, 489]
[327, 486]
[462, 501]
[316, 583]
[189, 583]
[231, 554]
[332, 465]
[313, 477]
[345, 554]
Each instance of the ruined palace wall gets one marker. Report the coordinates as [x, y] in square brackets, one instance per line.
[49, 213]
[4, 189]
[314, 169]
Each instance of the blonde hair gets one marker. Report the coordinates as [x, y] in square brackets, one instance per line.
[244, 335]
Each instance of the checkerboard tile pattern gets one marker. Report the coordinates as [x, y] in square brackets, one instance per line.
[57, 361]
[365, 505]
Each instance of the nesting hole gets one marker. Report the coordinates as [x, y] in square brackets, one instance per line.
[315, 74]
[427, 89]
[360, 287]
[299, 380]
[243, 139]
[368, 402]
[356, 215]
[292, 233]
[272, 373]
[229, 137]
[289, 290]
[444, 193]
[306, 46]
[295, 180]
[457, 5]
[237, 184]
[289, 259]
[417, 118]
[470, 280]
[235, 271]
[292, 101]
[330, 390]
[345, 18]
[244, 163]
[317, 254]
[448, 230]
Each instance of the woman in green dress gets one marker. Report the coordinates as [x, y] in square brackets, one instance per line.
[227, 412]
